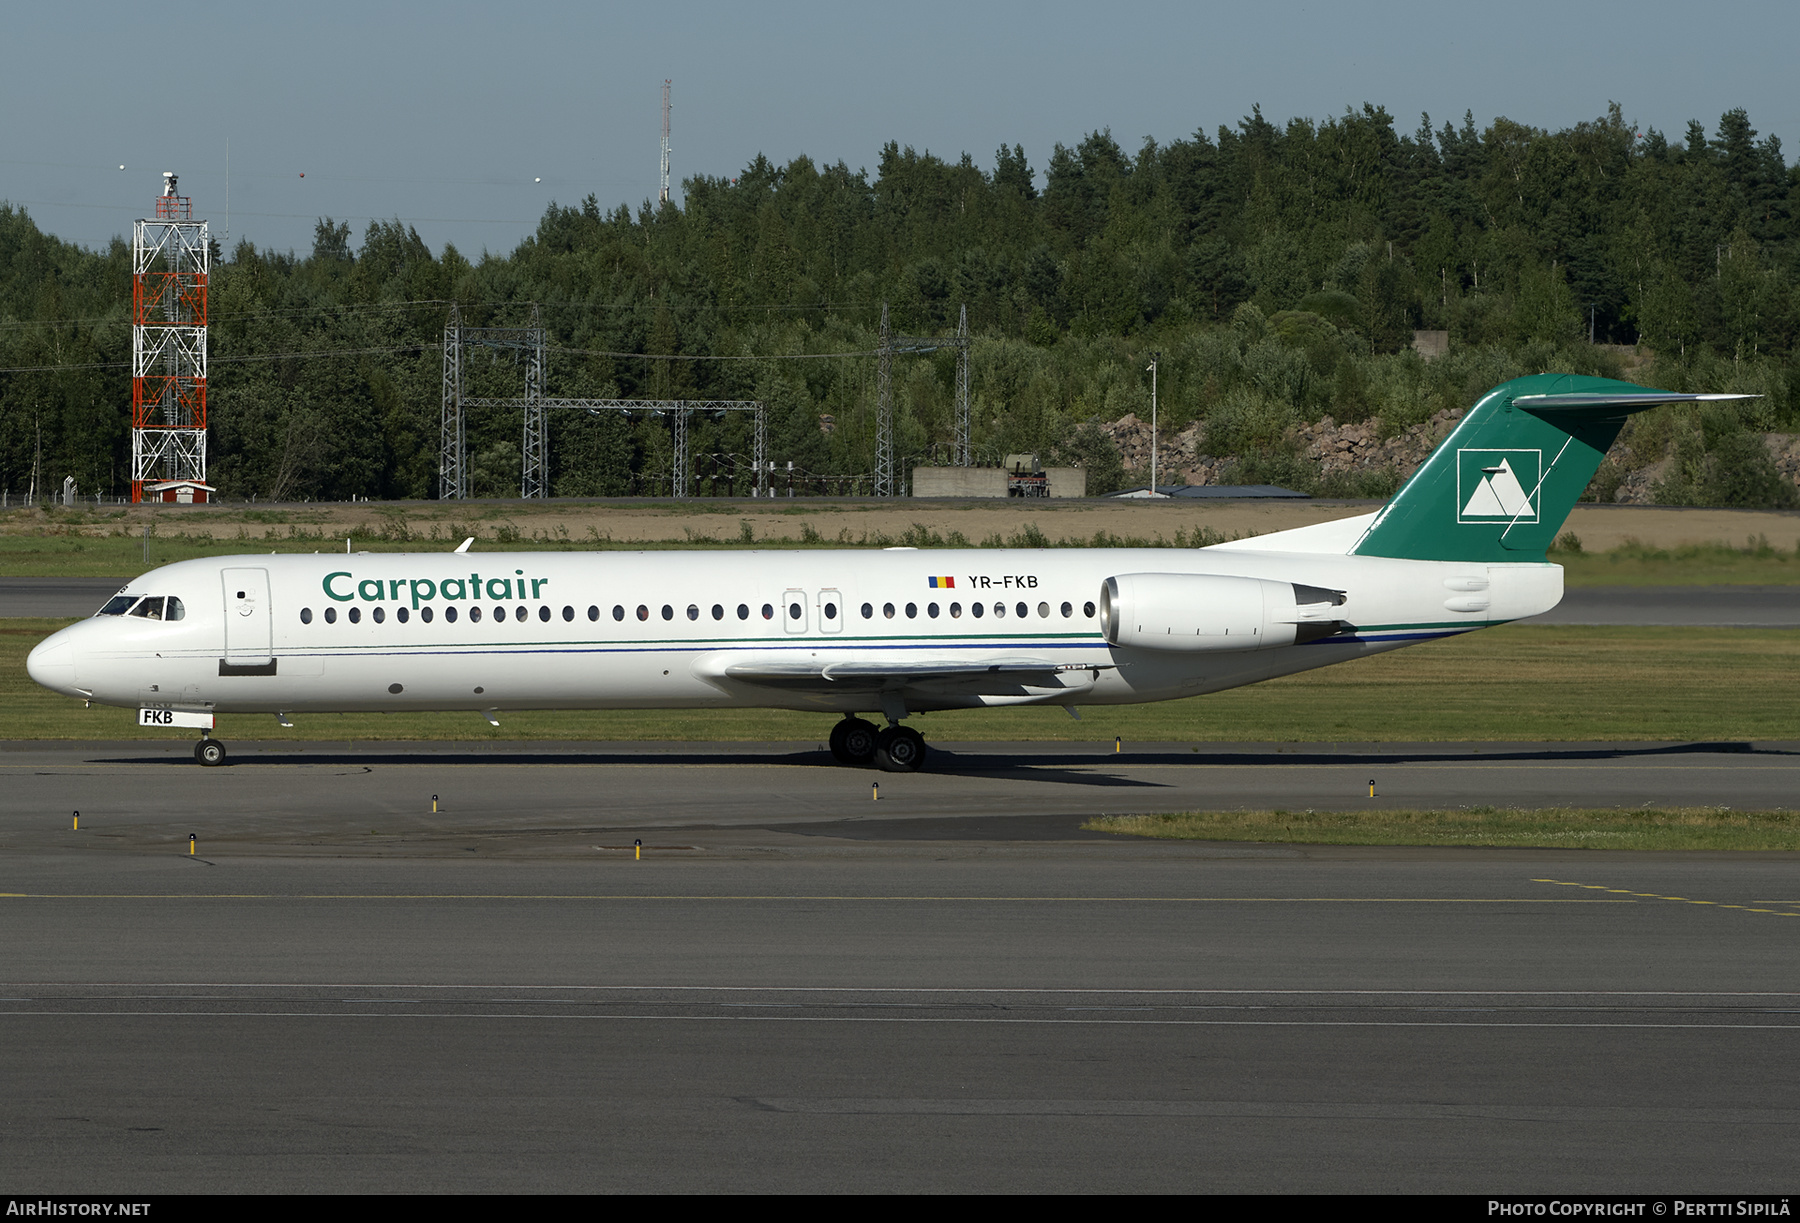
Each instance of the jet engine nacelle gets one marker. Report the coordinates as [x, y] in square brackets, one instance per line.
[1205, 612]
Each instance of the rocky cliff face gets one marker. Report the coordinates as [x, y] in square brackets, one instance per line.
[1337, 449]
[1638, 475]
[1785, 447]
[1343, 449]
[1179, 460]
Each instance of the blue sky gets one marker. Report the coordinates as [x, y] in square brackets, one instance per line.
[465, 120]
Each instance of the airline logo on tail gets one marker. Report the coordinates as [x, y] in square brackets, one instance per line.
[1498, 485]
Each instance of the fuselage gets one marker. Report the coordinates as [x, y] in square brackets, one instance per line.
[610, 630]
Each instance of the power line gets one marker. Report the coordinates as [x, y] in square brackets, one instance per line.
[239, 314]
[274, 356]
[420, 349]
[681, 356]
[41, 369]
[685, 308]
[301, 216]
[332, 352]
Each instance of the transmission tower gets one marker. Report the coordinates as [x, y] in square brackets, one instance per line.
[890, 344]
[665, 147]
[884, 412]
[170, 260]
[453, 444]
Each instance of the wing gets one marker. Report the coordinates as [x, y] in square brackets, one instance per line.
[1012, 676]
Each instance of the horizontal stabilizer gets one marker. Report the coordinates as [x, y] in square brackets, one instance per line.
[1630, 401]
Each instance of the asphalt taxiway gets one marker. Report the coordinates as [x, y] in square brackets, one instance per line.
[1692, 606]
[289, 797]
[730, 967]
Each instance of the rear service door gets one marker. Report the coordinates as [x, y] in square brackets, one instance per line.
[249, 623]
[793, 611]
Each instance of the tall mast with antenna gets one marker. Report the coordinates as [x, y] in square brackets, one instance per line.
[664, 196]
[170, 265]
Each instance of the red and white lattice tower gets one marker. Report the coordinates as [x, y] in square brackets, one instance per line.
[169, 266]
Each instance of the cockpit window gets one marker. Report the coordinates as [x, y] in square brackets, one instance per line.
[156, 607]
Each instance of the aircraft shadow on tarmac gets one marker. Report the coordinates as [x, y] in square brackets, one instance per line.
[1071, 768]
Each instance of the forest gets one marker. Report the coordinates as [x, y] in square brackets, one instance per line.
[1277, 274]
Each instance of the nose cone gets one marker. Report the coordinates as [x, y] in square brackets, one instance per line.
[52, 664]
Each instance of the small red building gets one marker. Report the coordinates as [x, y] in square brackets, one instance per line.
[179, 492]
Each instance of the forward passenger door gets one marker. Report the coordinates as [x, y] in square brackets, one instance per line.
[249, 621]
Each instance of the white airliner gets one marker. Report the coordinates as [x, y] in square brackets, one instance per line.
[892, 633]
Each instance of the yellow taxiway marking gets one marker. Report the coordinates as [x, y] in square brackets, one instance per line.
[1718, 904]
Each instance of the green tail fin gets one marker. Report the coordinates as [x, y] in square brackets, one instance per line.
[1501, 485]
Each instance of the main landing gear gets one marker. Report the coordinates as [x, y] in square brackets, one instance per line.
[209, 751]
[898, 749]
[853, 741]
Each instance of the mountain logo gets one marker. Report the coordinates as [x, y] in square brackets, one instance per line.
[1498, 485]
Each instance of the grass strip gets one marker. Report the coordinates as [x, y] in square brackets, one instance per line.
[1757, 563]
[1670, 828]
[84, 549]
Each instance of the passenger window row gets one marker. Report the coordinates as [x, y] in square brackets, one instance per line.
[426, 613]
[1022, 610]
[693, 611]
[795, 611]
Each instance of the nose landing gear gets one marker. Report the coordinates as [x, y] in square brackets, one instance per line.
[209, 751]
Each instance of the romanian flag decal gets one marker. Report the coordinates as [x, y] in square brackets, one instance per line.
[942, 583]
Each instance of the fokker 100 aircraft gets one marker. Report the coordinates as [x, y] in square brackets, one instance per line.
[889, 633]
